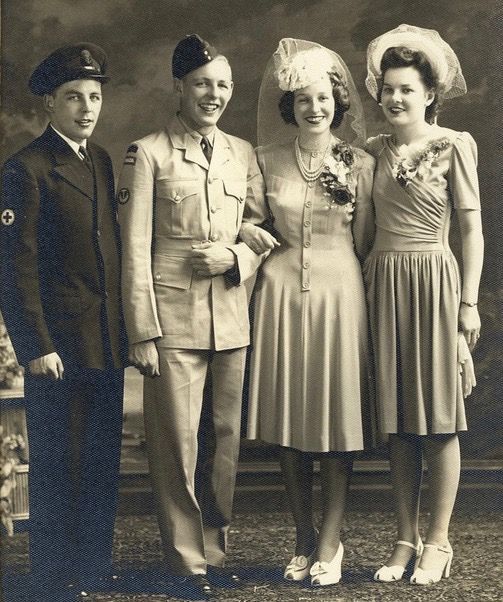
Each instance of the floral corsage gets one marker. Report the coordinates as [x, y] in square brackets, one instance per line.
[419, 163]
[337, 174]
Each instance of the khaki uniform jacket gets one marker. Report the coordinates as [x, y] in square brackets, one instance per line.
[169, 198]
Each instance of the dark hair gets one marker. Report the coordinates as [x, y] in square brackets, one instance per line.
[400, 56]
[339, 92]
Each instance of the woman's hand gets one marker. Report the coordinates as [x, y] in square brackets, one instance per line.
[258, 239]
[469, 321]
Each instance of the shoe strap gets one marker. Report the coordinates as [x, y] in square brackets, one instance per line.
[407, 543]
[445, 549]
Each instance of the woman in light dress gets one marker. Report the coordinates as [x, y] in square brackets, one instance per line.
[309, 381]
[417, 300]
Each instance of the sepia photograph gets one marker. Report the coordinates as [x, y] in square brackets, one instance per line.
[251, 300]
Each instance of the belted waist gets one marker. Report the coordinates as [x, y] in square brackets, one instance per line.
[182, 247]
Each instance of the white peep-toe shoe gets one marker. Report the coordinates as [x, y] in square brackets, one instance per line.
[429, 576]
[327, 573]
[396, 571]
[299, 567]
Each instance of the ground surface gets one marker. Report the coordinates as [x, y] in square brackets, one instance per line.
[261, 543]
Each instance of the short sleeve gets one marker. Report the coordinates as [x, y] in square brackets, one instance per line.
[462, 174]
[374, 145]
[365, 178]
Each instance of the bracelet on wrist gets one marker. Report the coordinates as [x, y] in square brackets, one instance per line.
[468, 304]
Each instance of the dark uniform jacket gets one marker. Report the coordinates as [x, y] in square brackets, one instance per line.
[60, 264]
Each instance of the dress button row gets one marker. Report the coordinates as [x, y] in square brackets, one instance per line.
[307, 244]
[308, 203]
[307, 223]
[305, 265]
[306, 285]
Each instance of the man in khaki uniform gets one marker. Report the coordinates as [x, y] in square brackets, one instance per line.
[181, 197]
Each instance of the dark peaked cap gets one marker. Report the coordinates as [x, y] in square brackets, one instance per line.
[191, 53]
[81, 61]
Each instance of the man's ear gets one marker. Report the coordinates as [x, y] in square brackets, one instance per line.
[49, 102]
[178, 86]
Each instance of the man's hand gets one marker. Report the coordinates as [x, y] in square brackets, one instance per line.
[258, 239]
[49, 365]
[145, 357]
[210, 259]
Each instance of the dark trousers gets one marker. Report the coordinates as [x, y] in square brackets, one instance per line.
[74, 435]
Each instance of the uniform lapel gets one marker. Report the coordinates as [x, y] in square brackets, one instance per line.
[182, 140]
[67, 165]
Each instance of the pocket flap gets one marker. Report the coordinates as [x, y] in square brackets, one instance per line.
[176, 192]
[236, 188]
[172, 271]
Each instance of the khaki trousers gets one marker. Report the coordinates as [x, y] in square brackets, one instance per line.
[194, 494]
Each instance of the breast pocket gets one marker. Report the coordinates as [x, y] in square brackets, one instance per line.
[235, 195]
[178, 206]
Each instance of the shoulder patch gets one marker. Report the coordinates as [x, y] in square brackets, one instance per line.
[123, 196]
[132, 148]
[7, 218]
[130, 161]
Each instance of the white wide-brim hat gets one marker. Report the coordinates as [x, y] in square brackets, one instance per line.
[440, 55]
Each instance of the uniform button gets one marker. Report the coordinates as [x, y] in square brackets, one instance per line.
[98, 233]
[213, 237]
[213, 210]
[307, 244]
[307, 223]
[308, 203]
[105, 295]
[314, 154]
[157, 276]
[178, 197]
[306, 265]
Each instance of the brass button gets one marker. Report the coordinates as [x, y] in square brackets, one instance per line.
[157, 276]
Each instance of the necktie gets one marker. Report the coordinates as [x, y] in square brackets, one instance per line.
[84, 155]
[206, 146]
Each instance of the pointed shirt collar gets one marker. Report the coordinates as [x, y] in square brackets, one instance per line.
[71, 143]
[195, 134]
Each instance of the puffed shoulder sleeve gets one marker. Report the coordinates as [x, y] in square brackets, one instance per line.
[365, 179]
[462, 174]
[363, 221]
[374, 145]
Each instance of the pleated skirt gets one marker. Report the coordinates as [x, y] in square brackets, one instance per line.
[413, 299]
[309, 380]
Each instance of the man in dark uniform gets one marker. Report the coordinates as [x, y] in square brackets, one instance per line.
[60, 298]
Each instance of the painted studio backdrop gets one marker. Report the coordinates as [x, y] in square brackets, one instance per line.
[139, 37]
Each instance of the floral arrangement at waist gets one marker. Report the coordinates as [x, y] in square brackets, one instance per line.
[417, 165]
[337, 174]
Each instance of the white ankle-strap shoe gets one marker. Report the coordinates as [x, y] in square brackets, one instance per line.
[395, 572]
[429, 576]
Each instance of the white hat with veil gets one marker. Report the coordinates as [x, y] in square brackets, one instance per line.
[441, 56]
[294, 65]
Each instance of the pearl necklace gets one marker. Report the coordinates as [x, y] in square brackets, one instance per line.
[309, 174]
